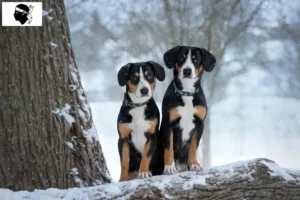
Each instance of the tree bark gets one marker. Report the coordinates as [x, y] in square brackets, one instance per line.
[255, 179]
[47, 136]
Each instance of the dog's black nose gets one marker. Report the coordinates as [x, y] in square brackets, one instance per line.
[187, 72]
[144, 91]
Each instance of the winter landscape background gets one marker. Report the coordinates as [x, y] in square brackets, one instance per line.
[253, 93]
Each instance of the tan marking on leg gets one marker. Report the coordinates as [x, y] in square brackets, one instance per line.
[200, 112]
[153, 85]
[125, 162]
[173, 114]
[133, 175]
[193, 151]
[145, 162]
[124, 130]
[132, 87]
[169, 152]
[153, 125]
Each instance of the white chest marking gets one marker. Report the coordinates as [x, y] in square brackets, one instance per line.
[187, 117]
[139, 126]
[188, 83]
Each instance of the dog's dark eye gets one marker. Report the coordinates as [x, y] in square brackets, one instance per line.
[135, 78]
[194, 58]
[150, 76]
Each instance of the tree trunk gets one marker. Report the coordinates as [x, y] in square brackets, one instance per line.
[47, 136]
[255, 179]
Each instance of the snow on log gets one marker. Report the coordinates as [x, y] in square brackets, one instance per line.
[253, 179]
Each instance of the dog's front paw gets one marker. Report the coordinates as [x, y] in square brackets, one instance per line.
[196, 167]
[170, 169]
[144, 175]
[124, 177]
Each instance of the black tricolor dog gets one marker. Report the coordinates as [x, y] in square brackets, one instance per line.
[138, 121]
[184, 107]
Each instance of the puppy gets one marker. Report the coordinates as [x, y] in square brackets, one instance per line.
[184, 107]
[138, 121]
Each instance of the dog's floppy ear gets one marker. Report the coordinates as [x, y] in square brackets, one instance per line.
[123, 74]
[170, 57]
[159, 71]
[208, 60]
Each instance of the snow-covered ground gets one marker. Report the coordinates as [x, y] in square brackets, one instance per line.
[242, 128]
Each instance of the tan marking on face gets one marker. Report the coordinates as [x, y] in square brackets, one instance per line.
[153, 85]
[200, 112]
[193, 151]
[198, 71]
[178, 68]
[146, 73]
[193, 57]
[173, 114]
[153, 124]
[132, 87]
[124, 130]
[145, 162]
[137, 74]
[184, 55]
[125, 162]
[169, 152]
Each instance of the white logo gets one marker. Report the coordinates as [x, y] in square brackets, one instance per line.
[21, 13]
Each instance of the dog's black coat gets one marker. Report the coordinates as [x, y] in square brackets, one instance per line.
[127, 75]
[175, 58]
[151, 112]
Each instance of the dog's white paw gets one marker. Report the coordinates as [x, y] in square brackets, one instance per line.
[144, 175]
[196, 167]
[170, 169]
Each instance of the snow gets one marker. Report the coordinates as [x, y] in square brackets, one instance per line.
[70, 145]
[45, 13]
[84, 105]
[52, 44]
[49, 194]
[250, 127]
[82, 115]
[90, 134]
[73, 73]
[74, 172]
[277, 171]
[242, 128]
[184, 180]
[84, 109]
[65, 113]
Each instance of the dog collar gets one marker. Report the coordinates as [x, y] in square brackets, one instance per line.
[130, 104]
[184, 93]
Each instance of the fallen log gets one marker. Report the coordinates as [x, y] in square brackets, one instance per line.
[253, 179]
